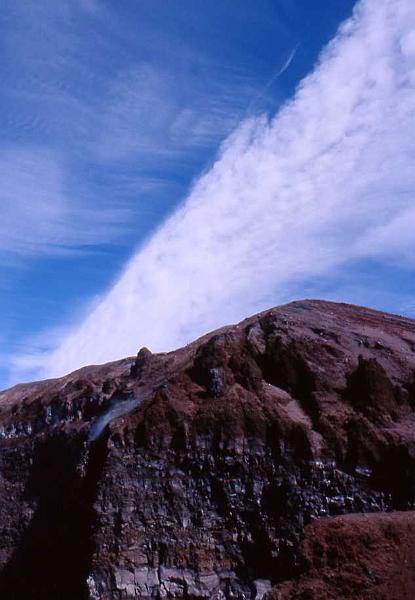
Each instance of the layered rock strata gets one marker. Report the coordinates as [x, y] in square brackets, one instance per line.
[203, 472]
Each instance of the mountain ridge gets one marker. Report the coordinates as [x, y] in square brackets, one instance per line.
[198, 473]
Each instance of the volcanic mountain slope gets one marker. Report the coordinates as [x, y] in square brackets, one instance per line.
[220, 470]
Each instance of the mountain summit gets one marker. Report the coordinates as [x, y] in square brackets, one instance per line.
[273, 458]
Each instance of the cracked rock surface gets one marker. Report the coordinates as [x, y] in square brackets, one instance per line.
[220, 470]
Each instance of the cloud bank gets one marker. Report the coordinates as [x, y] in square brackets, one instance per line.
[328, 180]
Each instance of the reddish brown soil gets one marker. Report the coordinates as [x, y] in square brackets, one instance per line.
[361, 557]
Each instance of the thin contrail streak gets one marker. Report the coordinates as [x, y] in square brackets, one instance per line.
[274, 76]
[286, 64]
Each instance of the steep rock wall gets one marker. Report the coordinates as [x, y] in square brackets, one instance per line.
[197, 473]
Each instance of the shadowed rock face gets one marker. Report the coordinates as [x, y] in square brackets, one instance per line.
[208, 471]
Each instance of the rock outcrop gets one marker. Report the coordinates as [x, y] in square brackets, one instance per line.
[219, 470]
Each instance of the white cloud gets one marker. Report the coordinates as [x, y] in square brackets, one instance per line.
[41, 213]
[408, 44]
[150, 111]
[31, 199]
[396, 237]
[116, 92]
[83, 115]
[292, 198]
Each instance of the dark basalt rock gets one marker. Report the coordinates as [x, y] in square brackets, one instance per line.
[207, 472]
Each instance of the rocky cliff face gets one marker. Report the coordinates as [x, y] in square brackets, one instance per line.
[208, 472]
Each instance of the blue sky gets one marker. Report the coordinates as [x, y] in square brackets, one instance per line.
[110, 114]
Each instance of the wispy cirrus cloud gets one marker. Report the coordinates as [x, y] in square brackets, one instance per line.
[42, 214]
[114, 89]
[328, 181]
[32, 200]
[89, 97]
[150, 111]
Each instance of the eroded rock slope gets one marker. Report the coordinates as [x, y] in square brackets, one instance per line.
[201, 472]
